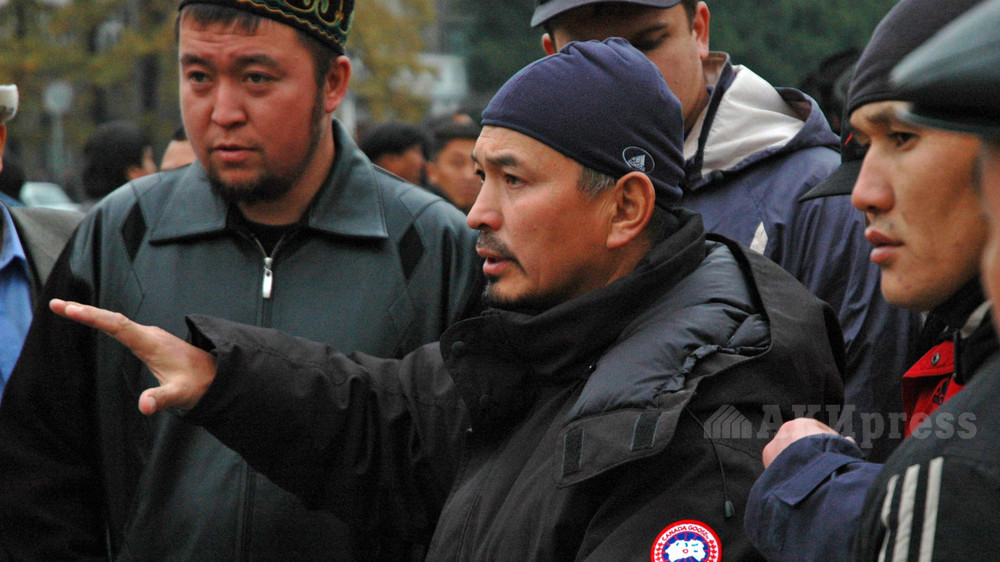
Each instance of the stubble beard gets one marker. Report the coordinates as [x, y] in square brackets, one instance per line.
[269, 185]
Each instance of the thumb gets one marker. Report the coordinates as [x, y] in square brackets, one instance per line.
[164, 397]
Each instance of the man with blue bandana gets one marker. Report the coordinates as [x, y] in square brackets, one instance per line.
[30, 241]
[610, 402]
[281, 222]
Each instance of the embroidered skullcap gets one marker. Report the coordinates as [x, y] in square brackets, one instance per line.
[328, 21]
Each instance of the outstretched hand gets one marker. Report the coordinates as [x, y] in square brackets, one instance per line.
[184, 371]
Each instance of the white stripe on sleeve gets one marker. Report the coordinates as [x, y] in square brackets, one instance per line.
[930, 509]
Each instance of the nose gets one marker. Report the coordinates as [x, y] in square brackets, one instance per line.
[227, 108]
[485, 214]
[872, 191]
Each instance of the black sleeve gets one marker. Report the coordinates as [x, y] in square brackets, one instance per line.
[52, 503]
[374, 441]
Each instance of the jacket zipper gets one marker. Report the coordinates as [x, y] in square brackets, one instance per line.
[264, 320]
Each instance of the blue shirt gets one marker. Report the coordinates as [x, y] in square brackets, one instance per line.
[15, 298]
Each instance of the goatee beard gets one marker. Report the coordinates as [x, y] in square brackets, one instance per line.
[270, 186]
[263, 189]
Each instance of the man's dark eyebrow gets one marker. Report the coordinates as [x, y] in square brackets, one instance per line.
[187, 60]
[650, 30]
[241, 62]
[262, 60]
[499, 161]
[883, 117]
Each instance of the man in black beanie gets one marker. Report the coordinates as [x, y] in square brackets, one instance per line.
[938, 498]
[281, 222]
[607, 406]
[915, 186]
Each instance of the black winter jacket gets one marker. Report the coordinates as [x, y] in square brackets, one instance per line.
[581, 432]
[377, 265]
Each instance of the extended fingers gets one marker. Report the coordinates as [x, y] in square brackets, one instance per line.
[117, 325]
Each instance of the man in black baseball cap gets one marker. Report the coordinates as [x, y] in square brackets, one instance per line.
[606, 406]
[937, 498]
[751, 151]
[281, 221]
[915, 187]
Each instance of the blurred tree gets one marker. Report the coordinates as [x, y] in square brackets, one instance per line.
[501, 41]
[783, 40]
[121, 60]
[117, 55]
[386, 40]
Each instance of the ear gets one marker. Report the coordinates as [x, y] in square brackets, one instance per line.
[431, 169]
[335, 85]
[634, 199]
[700, 28]
[548, 45]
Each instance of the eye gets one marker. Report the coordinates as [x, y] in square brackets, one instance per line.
[197, 77]
[481, 174]
[901, 138]
[257, 78]
[647, 44]
[512, 180]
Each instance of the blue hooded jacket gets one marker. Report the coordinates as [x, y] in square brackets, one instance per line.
[754, 151]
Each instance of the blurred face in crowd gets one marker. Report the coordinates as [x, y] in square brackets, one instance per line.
[178, 153]
[676, 44]
[916, 190]
[148, 165]
[989, 188]
[408, 164]
[543, 238]
[455, 173]
[252, 110]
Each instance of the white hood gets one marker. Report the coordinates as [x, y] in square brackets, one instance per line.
[752, 117]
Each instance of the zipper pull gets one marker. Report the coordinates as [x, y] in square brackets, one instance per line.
[268, 278]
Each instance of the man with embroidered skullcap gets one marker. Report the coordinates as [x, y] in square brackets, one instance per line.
[938, 498]
[607, 406]
[281, 222]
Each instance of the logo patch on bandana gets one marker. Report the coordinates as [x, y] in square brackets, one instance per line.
[687, 541]
[638, 159]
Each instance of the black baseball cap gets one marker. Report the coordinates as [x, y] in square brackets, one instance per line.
[547, 9]
[953, 80]
[907, 26]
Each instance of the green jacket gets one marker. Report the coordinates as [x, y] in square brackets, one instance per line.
[378, 265]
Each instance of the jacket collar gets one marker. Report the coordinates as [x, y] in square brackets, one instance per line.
[349, 204]
[550, 343]
[499, 359]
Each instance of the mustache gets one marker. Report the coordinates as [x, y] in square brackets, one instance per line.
[489, 242]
